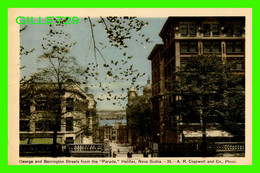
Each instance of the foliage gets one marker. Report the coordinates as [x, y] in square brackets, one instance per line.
[57, 66]
[139, 117]
[102, 70]
[23, 51]
[233, 117]
[57, 73]
[111, 70]
[56, 63]
[210, 89]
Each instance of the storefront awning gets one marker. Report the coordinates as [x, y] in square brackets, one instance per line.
[38, 140]
[24, 140]
[210, 133]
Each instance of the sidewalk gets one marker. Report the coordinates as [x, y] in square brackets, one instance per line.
[123, 149]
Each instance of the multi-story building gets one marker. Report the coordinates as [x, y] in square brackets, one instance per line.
[114, 132]
[39, 104]
[110, 124]
[183, 38]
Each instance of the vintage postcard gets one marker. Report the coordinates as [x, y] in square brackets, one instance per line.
[130, 86]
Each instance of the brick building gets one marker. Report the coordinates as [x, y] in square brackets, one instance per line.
[184, 37]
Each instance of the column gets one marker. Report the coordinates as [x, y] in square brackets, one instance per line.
[223, 51]
[177, 55]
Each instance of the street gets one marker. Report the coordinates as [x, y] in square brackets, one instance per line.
[123, 149]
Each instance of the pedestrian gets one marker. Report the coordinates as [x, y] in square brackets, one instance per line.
[114, 154]
[118, 150]
[129, 154]
[145, 153]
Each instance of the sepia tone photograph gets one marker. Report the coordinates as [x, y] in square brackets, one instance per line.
[129, 87]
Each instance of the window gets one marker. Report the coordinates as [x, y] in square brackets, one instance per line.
[238, 46]
[215, 30]
[184, 47]
[169, 53]
[184, 30]
[238, 30]
[206, 30]
[193, 47]
[69, 124]
[46, 125]
[41, 104]
[211, 47]
[234, 30]
[229, 46]
[192, 29]
[229, 31]
[206, 46]
[235, 47]
[47, 104]
[189, 47]
[54, 104]
[211, 30]
[238, 65]
[216, 46]
[69, 104]
[69, 140]
[188, 30]
[25, 105]
[25, 125]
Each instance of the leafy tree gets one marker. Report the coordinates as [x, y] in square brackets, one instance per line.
[119, 31]
[139, 119]
[102, 70]
[57, 65]
[23, 51]
[57, 68]
[210, 91]
[232, 119]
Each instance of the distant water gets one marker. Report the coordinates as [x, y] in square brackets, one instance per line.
[110, 122]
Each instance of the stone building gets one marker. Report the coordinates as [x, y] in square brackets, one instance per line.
[111, 125]
[39, 104]
[183, 38]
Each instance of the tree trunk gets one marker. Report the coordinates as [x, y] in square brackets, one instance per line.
[55, 134]
[57, 124]
[204, 138]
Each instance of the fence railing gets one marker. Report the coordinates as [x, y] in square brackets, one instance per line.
[229, 146]
[196, 149]
[84, 150]
[39, 149]
[86, 147]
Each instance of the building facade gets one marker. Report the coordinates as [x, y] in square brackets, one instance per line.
[183, 38]
[111, 125]
[39, 103]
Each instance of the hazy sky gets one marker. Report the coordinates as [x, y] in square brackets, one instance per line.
[83, 51]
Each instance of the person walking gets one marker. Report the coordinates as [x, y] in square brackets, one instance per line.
[114, 154]
[145, 153]
[129, 154]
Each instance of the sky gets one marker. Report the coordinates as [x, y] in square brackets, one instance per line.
[32, 36]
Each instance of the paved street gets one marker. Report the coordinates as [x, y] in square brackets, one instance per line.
[123, 149]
